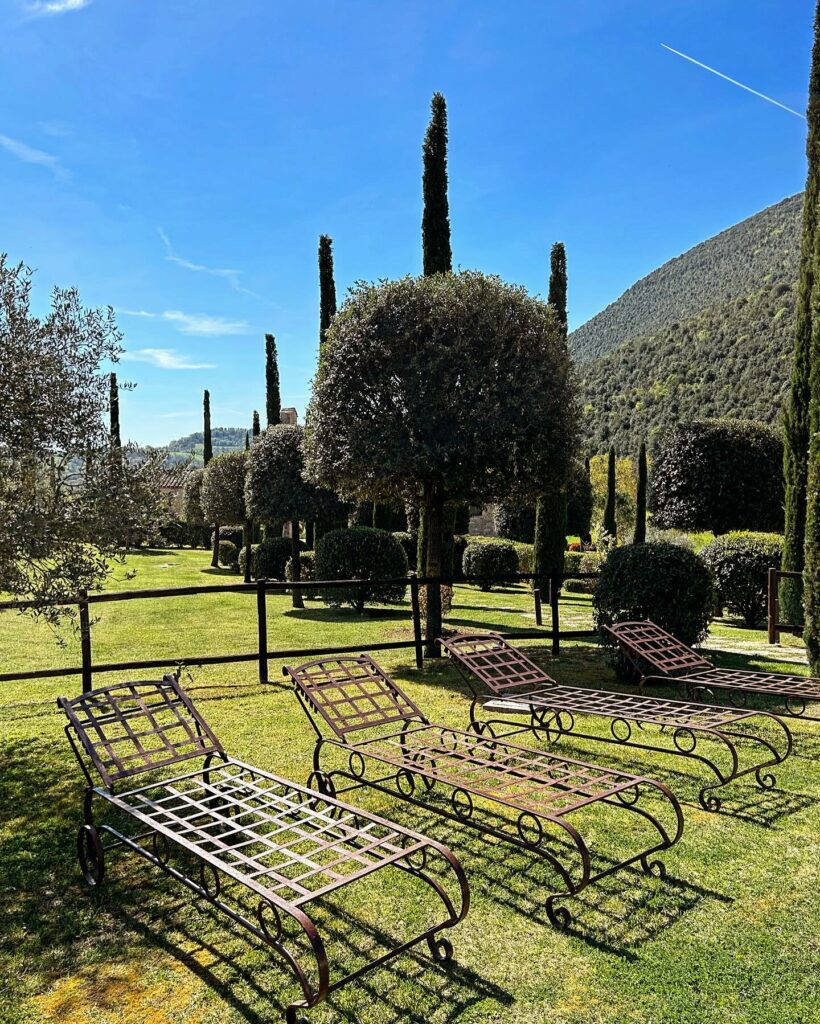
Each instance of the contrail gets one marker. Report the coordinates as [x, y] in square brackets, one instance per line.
[720, 74]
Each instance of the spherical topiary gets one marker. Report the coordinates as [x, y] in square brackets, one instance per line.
[232, 533]
[484, 561]
[740, 563]
[228, 554]
[361, 552]
[270, 558]
[243, 559]
[662, 582]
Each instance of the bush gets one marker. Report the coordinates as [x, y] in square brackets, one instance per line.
[740, 563]
[514, 521]
[271, 557]
[485, 560]
[358, 553]
[307, 566]
[409, 543]
[719, 475]
[662, 582]
[525, 556]
[243, 559]
[581, 561]
[228, 554]
[234, 534]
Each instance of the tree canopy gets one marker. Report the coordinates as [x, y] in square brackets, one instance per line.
[276, 487]
[223, 488]
[457, 379]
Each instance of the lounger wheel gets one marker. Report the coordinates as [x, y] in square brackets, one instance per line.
[91, 856]
[655, 868]
[559, 917]
[441, 949]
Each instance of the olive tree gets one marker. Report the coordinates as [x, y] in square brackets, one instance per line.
[276, 488]
[223, 496]
[458, 386]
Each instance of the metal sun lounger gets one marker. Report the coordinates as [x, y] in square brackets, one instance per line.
[518, 685]
[517, 794]
[263, 847]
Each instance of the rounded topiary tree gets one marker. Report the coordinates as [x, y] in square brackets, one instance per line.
[456, 386]
[487, 560]
[361, 552]
[718, 475]
[740, 563]
[514, 521]
[663, 582]
[223, 495]
[276, 487]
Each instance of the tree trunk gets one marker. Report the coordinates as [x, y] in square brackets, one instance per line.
[248, 538]
[296, 563]
[215, 549]
[310, 534]
[434, 514]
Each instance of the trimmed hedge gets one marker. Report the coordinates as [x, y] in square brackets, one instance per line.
[740, 563]
[488, 559]
[228, 554]
[234, 534]
[361, 552]
[242, 560]
[662, 582]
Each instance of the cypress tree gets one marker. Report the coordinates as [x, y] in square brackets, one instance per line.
[207, 455]
[255, 430]
[273, 400]
[550, 541]
[247, 441]
[640, 510]
[435, 223]
[796, 407]
[114, 412]
[327, 287]
[610, 521]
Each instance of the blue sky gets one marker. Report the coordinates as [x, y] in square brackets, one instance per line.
[178, 159]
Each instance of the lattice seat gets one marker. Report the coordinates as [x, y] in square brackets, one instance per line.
[522, 686]
[266, 847]
[659, 655]
[343, 696]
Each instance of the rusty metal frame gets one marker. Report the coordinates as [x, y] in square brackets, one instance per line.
[519, 686]
[263, 847]
[520, 795]
[660, 657]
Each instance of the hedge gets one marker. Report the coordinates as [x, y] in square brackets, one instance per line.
[485, 560]
[740, 563]
[361, 552]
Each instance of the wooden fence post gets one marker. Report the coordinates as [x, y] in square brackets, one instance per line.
[416, 607]
[555, 585]
[85, 640]
[774, 611]
[537, 598]
[262, 629]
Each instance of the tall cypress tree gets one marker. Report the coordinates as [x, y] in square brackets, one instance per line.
[610, 521]
[639, 536]
[273, 400]
[207, 455]
[811, 571]
[327, 287]
[114, 412]
[247, 441]
[796, 408]
[550, 541]
[435, 222]
[255, 430]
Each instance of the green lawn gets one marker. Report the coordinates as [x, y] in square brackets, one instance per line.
[730, 936]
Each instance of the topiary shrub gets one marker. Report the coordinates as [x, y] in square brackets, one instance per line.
[270, 558]
[410, 545]
[485, 560]
[514, 521]
[740, 563]
[228, 554]
[233, 534]
[242, 560]
[662, 582]
[307, 564]
[361, 552]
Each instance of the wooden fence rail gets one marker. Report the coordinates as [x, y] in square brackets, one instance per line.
[263, 655]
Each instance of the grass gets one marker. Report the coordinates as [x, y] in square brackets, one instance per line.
[730, 936]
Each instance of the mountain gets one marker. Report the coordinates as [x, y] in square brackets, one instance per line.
[707, 334]
[224, 439]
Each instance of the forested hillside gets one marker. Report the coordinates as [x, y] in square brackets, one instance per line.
[760, 250]
[225, 439]
[732, 359]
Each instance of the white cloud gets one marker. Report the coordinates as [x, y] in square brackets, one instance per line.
[166, 359]
[57, 129]
[200, 324]
[30, 155]
[56, 6]
[228, 275]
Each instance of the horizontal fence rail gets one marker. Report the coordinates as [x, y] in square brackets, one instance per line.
[263, 655]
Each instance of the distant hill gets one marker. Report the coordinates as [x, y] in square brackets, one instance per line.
[760, 250]
[224, 439]
[708, 334]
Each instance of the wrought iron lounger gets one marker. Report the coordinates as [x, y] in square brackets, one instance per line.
[414, 756]
[666, 726]
[263, 848]
[659, 657]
